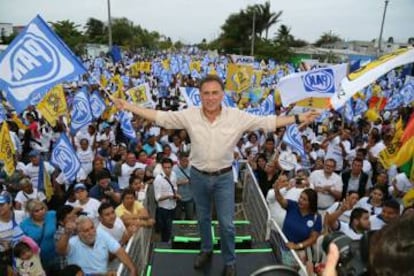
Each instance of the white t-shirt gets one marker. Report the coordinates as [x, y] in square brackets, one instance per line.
[364, 203]
[22, 197]
[86, 158]
[117, 231]
[33, 172]
[334, 151]
[344, 228]
[126, 171]
[6, 228]
[345, 215]
[318, 179]
[90, 208]
[376, 222]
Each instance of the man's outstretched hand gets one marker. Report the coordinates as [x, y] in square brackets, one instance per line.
[308, 117]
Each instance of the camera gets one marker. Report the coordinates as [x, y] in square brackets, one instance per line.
[353, 254]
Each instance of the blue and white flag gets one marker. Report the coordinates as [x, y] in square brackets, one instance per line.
[3, 113]
[318, 83]
[81, 114]
[293, 139]
[348, 111]
[228, 101]
[324, 115]
[64, 157]
[267, 107]
[126, 125]
[97, 105]
[394, 102]
[33, 63]
[408, 93]
[192, 97]
[195, 74]
[360, 107]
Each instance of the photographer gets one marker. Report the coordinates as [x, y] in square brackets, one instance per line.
[390, 252]
[358, 223]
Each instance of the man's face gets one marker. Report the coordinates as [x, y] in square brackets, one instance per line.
[184, 162]
[356, 167]
[35, 160]
[131, 159]
[104, 183]
[270, 146]
[353, 199]
[87, 232]
[211, 96]
[389, 214]
[329, 167]
[108, 217]
[167, 167]
[364, 223]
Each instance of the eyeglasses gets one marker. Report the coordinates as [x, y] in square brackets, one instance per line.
[38, 210]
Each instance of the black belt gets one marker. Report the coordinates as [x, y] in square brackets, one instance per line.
[215, 173]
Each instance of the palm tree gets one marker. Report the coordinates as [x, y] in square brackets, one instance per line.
[283, 35]
[327, 38]
[267, 17]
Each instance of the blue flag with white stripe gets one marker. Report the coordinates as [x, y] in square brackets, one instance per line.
[126, 125]
[81, 114]
[348, 112]
[293, 139]
[3, 113]
[360, 107]
[33, 63]
[97, 104]
[267, 107]
[64, 157]
[407, 93]
[394, 102]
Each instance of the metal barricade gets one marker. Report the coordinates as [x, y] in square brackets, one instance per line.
[254, 204]
[283, 254]
[138, 247]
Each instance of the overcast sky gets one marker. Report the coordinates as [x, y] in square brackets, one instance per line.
[192, 20]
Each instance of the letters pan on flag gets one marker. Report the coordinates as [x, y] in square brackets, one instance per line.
[34, 62]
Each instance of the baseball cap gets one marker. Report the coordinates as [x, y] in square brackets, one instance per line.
[4, 199]
[34, 153]
[79, 186]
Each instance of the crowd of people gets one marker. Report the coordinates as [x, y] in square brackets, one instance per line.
[339, 186]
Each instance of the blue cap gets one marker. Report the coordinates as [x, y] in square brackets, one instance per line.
[4, 199]
[34, 153]
[79, 186]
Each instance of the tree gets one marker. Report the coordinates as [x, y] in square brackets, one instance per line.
[390, 40]
[267, 17]
[283, 35]
[327, 38]
[410, 40]
[95, 31]
[69, 32]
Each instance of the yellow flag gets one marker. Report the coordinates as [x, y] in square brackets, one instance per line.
[104, 81]
[238, 77]
[53, 105]
[47, 184]
[18, 122]
[134, 69]
[195, 65]
[7, 150]
[118, 81]
[405, 153]
[166, 64]
[145, 67]
[257, 77]
[138, 94]
[320, 103]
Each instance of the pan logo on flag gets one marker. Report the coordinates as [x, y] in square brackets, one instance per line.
[322, 81]
[33, 60]
[80, 111]
[195, 97]
[65, 158]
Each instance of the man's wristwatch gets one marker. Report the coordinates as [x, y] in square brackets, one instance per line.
[297, 120]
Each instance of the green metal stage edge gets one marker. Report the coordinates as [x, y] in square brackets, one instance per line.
[194, 251]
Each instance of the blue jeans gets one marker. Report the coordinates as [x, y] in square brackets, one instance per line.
[220, 189]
